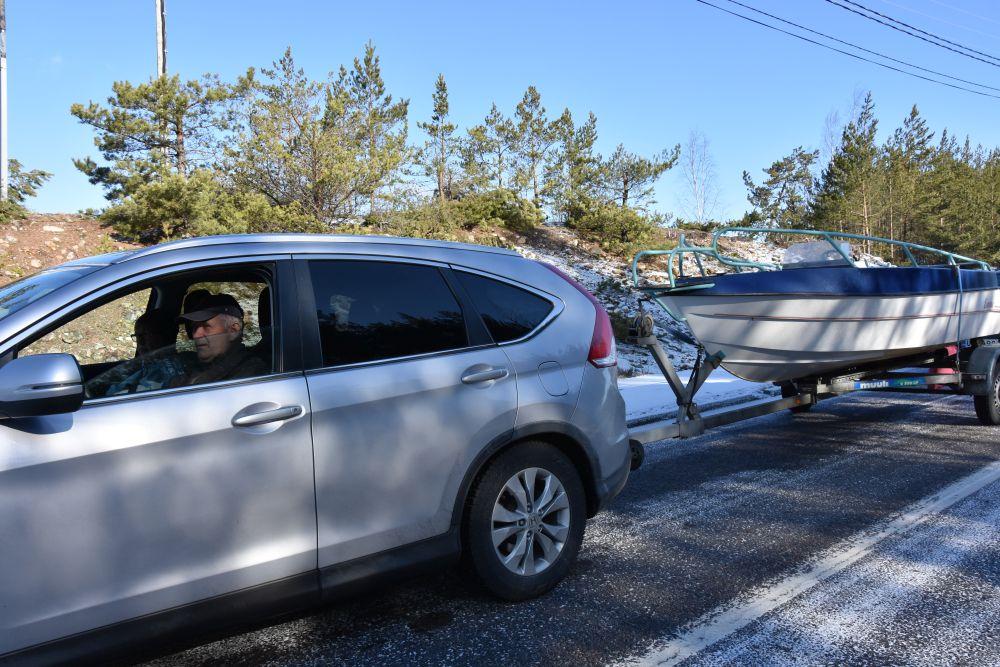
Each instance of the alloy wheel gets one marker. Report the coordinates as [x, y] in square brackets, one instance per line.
[531, 519]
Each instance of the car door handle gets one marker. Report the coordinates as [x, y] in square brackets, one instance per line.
[485, 376]
[267, 416]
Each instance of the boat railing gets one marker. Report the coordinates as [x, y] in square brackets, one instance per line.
[675, 256]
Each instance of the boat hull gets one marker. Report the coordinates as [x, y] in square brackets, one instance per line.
[772, 337]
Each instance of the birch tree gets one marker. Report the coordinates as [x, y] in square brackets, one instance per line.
[701, 190]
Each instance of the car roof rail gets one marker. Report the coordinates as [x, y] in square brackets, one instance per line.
[231, 239]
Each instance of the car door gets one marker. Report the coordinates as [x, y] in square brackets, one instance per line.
[142, 502]
[407, 388]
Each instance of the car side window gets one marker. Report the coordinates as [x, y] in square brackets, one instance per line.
[509, 312]
[369, 310]
[103, 335]
[183, 331]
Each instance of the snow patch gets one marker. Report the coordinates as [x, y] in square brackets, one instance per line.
[650, 395]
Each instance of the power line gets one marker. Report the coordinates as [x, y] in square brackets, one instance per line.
[960, 26]
[847, 53]
[922, 32]
[965, 11]
[913, 34]
[861, 48]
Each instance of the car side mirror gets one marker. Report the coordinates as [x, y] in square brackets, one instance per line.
[42, 384]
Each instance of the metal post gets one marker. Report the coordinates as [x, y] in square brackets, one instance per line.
[4, 162]
[161, 38]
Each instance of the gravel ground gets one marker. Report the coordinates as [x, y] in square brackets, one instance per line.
[703, 521]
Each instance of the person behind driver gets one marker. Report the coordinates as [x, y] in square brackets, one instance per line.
[155, 365]
[216, 328]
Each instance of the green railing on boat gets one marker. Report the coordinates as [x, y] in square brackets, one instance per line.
[676, 255]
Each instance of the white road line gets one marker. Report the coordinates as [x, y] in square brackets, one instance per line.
[728, 619]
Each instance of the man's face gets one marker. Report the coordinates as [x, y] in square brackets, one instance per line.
[213, 337]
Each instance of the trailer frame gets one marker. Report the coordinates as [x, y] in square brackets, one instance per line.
[973, 370]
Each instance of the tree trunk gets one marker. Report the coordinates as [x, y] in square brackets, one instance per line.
[372, 145]
[440, 167]
[534, 183]
[867, 222]
[179, 147]
[892, 248]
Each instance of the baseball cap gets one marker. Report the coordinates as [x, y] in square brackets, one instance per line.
[210, 305]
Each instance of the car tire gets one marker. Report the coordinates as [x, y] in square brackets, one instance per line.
[988, 407]
[501, 508]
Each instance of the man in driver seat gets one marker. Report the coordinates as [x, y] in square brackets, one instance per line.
[216, 327]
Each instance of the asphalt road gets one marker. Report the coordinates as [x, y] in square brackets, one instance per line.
[706, 522]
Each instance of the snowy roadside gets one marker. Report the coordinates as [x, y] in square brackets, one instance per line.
[649, 396]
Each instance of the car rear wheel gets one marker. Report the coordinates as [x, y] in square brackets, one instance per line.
[988, 407]
[525, 521]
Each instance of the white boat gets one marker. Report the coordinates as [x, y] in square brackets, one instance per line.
[805, 319]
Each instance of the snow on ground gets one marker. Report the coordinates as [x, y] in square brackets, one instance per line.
[649, 395]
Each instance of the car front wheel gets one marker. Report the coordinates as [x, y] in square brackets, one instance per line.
[525, 521]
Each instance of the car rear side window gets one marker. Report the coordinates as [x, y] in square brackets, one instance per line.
[382, 310]
[509, 312]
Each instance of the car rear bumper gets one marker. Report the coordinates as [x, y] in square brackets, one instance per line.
[612, 484]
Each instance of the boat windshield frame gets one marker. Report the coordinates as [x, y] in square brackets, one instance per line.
[675, 256]
[675, 259]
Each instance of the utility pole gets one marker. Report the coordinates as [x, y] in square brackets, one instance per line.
[4, 163]
[161, 38]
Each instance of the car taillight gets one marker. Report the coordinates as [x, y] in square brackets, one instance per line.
[603, 349]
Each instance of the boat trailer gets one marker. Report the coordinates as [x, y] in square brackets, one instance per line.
[970, 368]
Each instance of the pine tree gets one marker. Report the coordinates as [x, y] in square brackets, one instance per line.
[381, 126]
[574, 176]
[847, 199]
[439, 150]
[907, 158]
[535, 138]
[295, 144]
[629, 178]
[149, 130]
[782, 199]
[24, 183]
[487, 151]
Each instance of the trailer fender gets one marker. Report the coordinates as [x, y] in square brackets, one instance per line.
[980, 372]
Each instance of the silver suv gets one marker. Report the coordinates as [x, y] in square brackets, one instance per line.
[251, 423]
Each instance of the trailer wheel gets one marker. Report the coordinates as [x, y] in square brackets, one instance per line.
[637, 454]
[788, 390]
[988, 407]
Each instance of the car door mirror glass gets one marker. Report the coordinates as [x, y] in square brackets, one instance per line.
[41, 384]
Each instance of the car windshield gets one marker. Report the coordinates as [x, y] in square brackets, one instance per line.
[17, 295]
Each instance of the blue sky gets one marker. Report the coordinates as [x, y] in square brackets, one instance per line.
[651, 71]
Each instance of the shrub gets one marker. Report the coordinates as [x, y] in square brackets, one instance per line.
[429, 221]
[485, 210]
[10, 210]
[620, 231]
[496, 208]
[178, 207]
